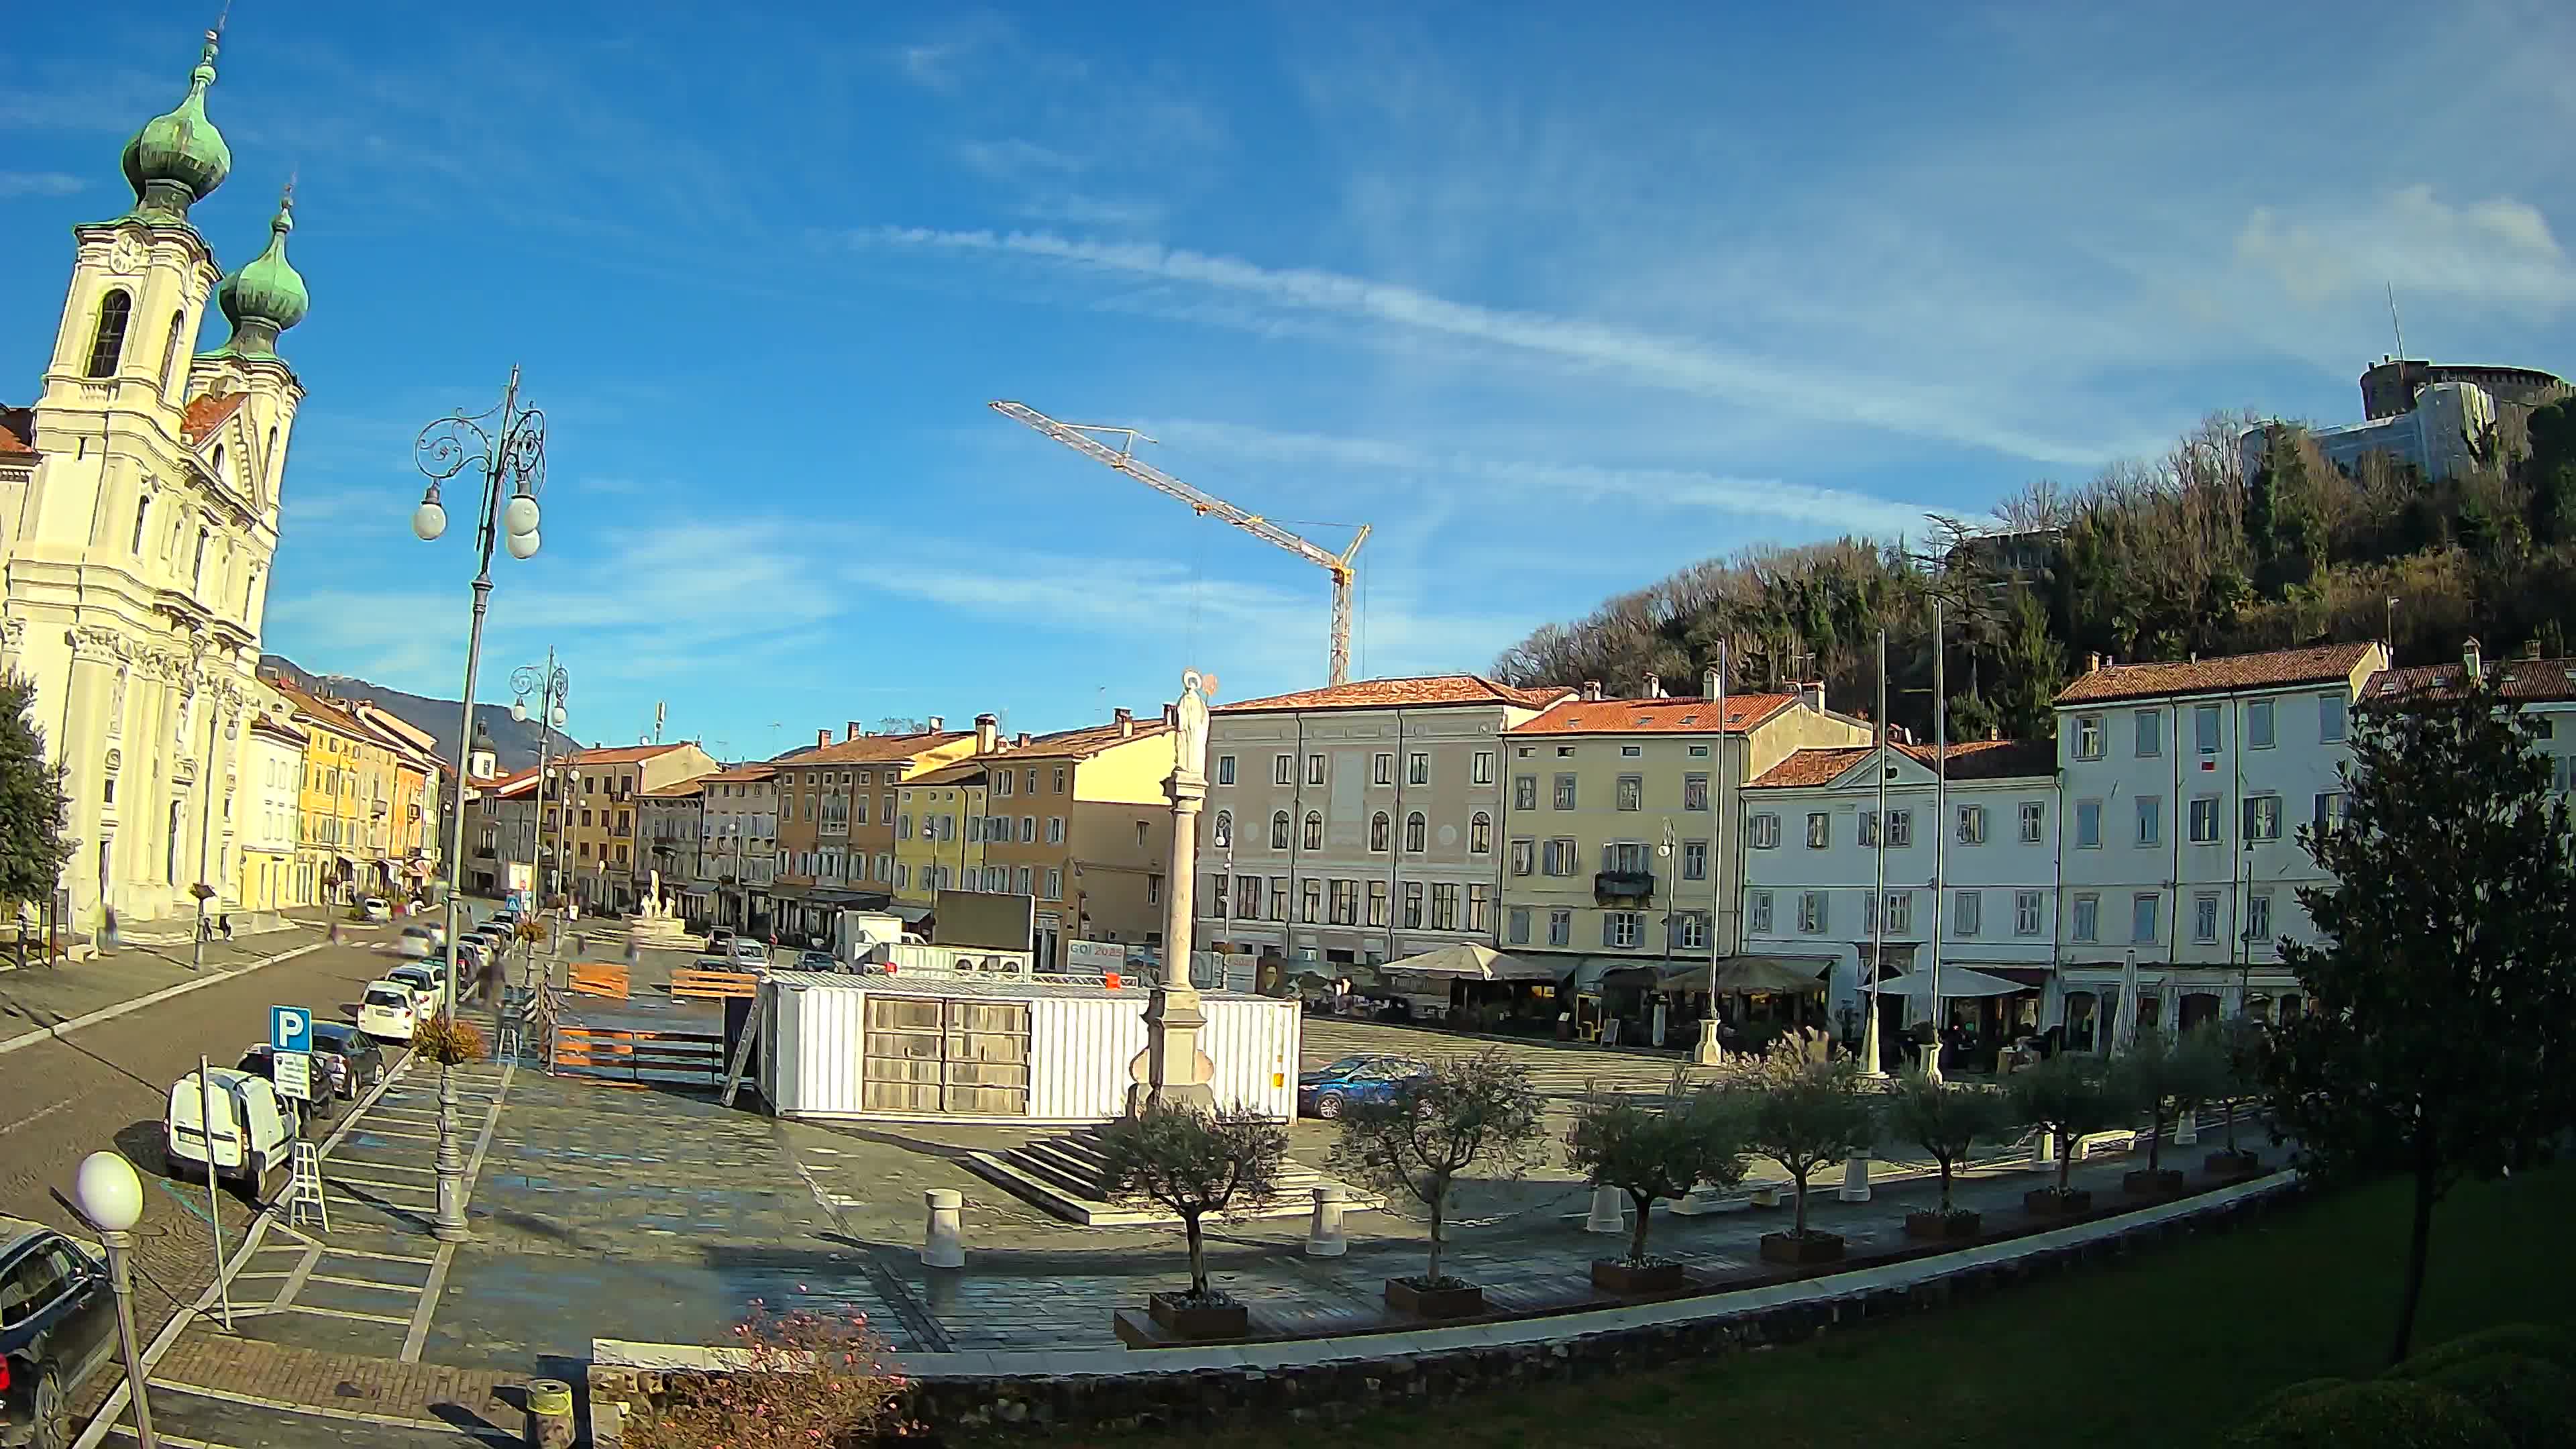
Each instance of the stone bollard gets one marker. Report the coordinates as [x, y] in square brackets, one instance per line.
[943, 1237]
[2043, 1152]
[2079, 1150]
[1608, 1211]
[550, 1414]
[1324, 1238]
[1856, 1179]
[2187, 1128]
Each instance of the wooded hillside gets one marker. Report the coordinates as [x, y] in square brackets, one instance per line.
[2150, 560]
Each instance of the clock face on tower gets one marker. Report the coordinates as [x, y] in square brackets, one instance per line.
[126, 254]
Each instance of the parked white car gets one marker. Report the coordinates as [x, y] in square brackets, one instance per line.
[386, 1012]
[428, 988]
[374, 909]
[749, 953]
[253, 1132]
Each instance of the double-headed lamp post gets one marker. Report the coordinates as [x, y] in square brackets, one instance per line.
[111, 1197]
[550, 685]
[508, 444]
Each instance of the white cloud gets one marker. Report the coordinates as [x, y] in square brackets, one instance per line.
[2497, 253]
[38, 183]
[1673, 363]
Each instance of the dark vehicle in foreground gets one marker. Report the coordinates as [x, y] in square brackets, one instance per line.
[57, 1327]
[1370, 1078]
[346, 1061]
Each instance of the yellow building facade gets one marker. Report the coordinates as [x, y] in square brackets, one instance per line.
[939, 832]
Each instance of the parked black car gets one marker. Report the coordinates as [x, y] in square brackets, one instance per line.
[57, 1327]
[348, 1059]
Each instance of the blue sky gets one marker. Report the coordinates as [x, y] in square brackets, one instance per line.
[1557, 298]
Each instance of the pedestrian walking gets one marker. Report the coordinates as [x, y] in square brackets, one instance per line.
[227, 920]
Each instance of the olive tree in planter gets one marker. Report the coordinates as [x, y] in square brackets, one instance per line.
[2243, 1046]
[1947, 1122]
[1805, 1115]
[1649, 1151]
[2066, 1097]
[2164, 1076]
[1194, 1163]
[1468, 1111]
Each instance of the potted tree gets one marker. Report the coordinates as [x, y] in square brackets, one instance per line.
[1193, 1163]
[1415, 1141]
[2165, 1076]
[1946, 1122]
[2244, 1044]
[2066, 1096]
[1805, 1115]
[1651, 1151]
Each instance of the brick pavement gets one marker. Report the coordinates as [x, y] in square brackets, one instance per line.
[343, 1380]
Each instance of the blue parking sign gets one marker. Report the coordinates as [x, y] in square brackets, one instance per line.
[290, 1029]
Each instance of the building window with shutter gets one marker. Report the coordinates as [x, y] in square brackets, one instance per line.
[1314, 831]
[1279, 830]
[1413, 903]
[1377, 903]
[1311, 901]
[1416, 832]
[1621, 930]
[1480, 834]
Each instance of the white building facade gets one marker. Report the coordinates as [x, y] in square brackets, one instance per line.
[1312, 809]
[266, 811]
[739, 814]
[1812, 870]
[138, 523]
[2183, 787]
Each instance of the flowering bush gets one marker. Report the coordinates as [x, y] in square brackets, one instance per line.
[805, 1380]
[447, 1041]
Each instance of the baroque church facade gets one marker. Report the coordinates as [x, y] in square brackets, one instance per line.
[138, 520]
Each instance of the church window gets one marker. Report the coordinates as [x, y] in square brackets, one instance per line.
[170, 355]
[107, 345]
[170, 865]
[142, 517]
[219, 460]
[197, 574]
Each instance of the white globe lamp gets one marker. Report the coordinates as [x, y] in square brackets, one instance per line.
[429, 520]
[109, 1193]
[523, 545]
[519, 515]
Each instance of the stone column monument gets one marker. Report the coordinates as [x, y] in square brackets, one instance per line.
[1172, 1069]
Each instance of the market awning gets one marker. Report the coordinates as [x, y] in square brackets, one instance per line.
[1956, 982]
[1474, 962]
[1771, 973]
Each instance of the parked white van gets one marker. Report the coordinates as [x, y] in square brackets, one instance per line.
[254, 1130]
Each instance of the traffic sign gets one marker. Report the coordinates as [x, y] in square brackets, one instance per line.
[290, 1029]
[293, 1074]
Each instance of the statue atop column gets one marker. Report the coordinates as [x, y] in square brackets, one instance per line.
[1172, 1069]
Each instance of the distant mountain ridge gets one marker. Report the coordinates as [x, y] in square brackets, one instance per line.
[514, 742]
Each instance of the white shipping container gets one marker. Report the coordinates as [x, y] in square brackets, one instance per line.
[817, 1062]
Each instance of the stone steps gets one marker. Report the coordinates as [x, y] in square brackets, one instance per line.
[1061, 1174]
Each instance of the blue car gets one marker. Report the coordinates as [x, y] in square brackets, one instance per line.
[1324, 1092]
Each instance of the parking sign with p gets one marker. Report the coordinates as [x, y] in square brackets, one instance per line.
[290, 1029]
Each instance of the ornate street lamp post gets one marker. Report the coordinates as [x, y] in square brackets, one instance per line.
[509, 444]
[550, 684]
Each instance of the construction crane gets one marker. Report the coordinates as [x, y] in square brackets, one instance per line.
[1081, 438]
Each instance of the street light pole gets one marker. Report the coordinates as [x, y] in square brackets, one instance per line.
[551, 686]
[510, 445]
[110, 1195]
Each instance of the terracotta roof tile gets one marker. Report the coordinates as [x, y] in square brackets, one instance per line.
[1969, 760]
[744, 774]
[2319, 664]
[206, 412]
[681, 791]
[622, 754]
[2544, 681]
[1692, 715]
[17, 426]
[1419, 692]
[1083, 743]
[871, 749]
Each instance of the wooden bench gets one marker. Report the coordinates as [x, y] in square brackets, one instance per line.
[692, 985]
[599, 978]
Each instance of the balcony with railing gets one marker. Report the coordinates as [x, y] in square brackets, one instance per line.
[1624, 886]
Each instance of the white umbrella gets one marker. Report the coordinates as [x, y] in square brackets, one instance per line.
[1956, 982]
[2124, 1031]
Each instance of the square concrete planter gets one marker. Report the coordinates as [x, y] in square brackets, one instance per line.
[1452, 1299]
[1945, 1227]
[1618, 1275]
[1802, 1249]
[2152, 1182]
[2048, 1202]
[2224, 1163]
[1184, 1319]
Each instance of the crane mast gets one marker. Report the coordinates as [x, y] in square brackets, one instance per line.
[1087, 439]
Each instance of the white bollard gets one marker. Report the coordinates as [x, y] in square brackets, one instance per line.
[1856, 1179]
[2187, 1129]
[1324, 1237]
[2079, 1150]
[2043, 1151]
[1609, 1213]
[943, 1237]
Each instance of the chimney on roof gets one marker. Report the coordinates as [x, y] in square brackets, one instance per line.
[2469, 659]
[2093, 662]
[1126, 721]
[936, 724]
[1993, 734]
[853, 731]
[1814, 694]
[2531, 648]
[988, 729]
[822, 738]
[1708, 683]
[1023, 740]
[1654, 686]
[1592, 689]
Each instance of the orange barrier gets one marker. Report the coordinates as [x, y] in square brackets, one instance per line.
[694, 1058]
[599, 978]
[692, 985]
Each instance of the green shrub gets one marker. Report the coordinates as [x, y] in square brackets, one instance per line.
[2299, 1390]
[2382, 1414]
[2532, 1400]
[2545, 1342]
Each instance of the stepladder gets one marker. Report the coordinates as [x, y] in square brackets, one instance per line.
[304, 1189]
